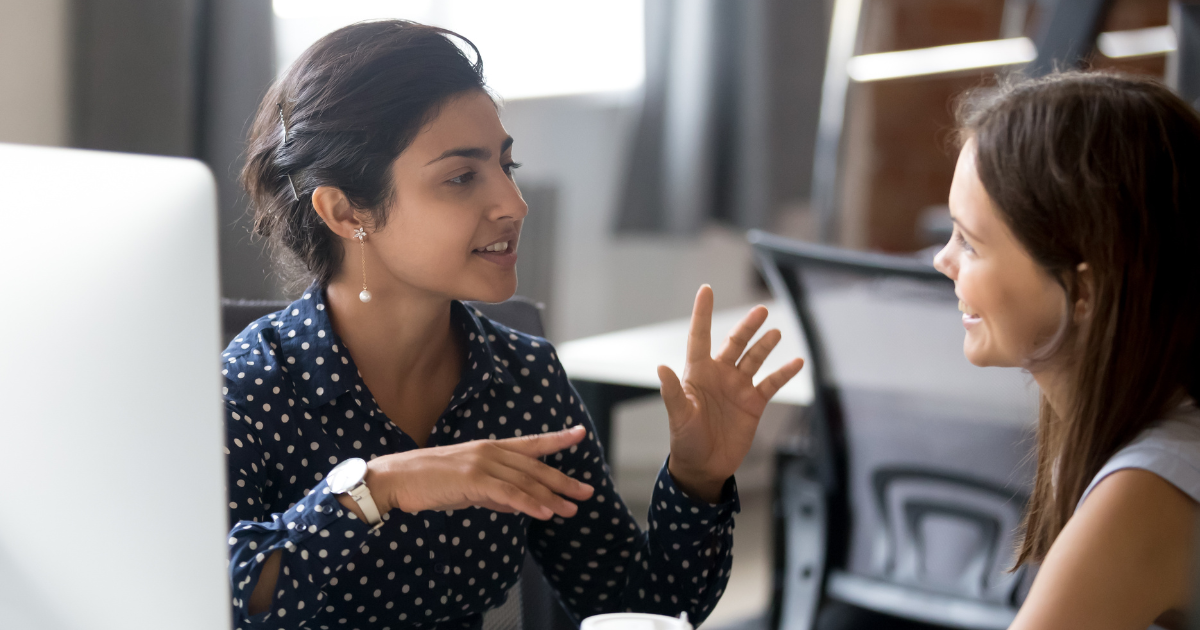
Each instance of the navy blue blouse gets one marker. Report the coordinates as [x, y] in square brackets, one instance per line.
[296, 406]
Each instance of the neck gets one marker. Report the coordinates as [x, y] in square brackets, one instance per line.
[401, 334]
[1055, 384]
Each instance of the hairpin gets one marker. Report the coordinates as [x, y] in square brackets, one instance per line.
[295, 195]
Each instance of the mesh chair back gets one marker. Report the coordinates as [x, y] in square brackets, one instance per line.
[924, 456]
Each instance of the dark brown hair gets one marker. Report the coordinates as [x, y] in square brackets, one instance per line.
[1099, 168]
[350, 105]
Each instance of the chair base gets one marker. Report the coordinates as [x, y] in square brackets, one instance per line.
[934, 608]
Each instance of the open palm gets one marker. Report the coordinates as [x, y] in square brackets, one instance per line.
[715, 409]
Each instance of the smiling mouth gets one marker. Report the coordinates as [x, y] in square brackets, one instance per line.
[966, 310]
[495, 248]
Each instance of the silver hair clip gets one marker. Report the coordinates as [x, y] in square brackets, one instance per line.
[295, 195]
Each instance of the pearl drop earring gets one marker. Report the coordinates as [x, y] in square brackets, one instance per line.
[361, 235]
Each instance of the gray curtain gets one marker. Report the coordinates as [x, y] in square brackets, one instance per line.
[179, 78]
[728, 115]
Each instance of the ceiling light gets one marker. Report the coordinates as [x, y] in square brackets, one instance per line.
[941, 59]
[1137, 42]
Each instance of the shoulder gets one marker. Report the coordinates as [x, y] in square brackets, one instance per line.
[251, 365]
[1137, 498]
[531, 366]
[1123, 559]
[519, 353]
[1170, 449]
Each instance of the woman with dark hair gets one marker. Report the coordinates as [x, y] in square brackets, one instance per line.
[1074, 255]
[392, 454]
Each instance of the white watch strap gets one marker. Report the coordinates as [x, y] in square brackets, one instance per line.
[362, 496]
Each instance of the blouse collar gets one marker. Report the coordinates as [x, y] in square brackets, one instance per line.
[321, 368]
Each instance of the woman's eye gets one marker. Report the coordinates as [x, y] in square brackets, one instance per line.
[463, 179]
[962, 240]
[510, 167]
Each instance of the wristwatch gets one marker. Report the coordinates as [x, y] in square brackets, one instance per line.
[348, 478]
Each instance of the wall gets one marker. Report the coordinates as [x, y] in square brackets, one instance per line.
[899, 158]
[578, 146]
[33, 71]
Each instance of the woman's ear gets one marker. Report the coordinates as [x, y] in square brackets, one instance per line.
[336, 211]
[1085, 293]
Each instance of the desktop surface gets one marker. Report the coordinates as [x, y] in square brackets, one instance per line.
[631, 357]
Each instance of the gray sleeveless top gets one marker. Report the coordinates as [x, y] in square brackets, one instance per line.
[1169, 448]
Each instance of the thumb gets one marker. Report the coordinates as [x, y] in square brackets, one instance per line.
[672, 392]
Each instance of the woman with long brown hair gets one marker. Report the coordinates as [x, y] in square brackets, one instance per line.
[1075, 256]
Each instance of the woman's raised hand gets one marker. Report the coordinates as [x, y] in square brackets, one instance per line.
[714, 411]
[500, 475]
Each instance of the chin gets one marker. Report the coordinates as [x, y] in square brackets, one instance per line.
[978, 354]
[975, 358]
[982, 356]
[492, 293]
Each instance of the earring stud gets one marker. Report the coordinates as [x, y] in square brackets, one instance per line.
[361, 235]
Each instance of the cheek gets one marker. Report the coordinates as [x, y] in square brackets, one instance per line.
[1018, 316]
[976, 285]
[427, 244]
[991, 341]
[1046, 313]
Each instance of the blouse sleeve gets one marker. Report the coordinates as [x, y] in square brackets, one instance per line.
[319, 540]
[600, 561]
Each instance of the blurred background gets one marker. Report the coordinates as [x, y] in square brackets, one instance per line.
[653, 134]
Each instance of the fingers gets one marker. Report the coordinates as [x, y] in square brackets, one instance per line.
[502, 475]
[770, 385]
[700, 335]
[541, 444]
[514, 480]
[742, 334]
[757, 353]
[527, 485]
[552, 478]
[672, 391]
[502, 491]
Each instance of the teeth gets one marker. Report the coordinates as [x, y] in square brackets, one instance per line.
[962, 306]
[497, 247]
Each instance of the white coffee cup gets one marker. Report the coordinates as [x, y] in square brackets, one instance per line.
[635, 621]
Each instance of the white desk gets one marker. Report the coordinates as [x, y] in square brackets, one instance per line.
[876, 342]
[631, 357]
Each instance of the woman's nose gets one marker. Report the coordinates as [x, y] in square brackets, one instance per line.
[944, 262]
[520, 207]
[509, 203]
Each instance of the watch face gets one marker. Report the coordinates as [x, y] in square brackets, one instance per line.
[346, 475]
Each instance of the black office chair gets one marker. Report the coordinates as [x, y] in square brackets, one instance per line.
[532, 604]
[901, 508]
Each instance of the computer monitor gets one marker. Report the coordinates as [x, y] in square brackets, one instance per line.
[112, 483]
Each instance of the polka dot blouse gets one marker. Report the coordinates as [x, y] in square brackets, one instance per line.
[296, 406]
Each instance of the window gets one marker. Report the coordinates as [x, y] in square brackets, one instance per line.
[530, 48]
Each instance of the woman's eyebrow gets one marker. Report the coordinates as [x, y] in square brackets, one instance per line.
[474, 153]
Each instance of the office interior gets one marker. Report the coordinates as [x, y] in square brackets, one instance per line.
[665, 144]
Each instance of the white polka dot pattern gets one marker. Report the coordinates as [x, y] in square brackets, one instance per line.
[295, 406]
